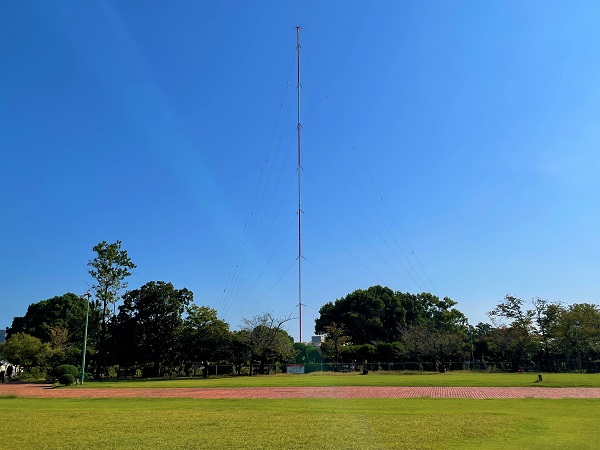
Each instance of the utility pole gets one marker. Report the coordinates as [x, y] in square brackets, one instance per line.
[87, 295]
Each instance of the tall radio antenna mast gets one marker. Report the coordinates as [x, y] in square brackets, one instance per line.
[299, 168]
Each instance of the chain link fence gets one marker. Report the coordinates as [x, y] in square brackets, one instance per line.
[197, 370]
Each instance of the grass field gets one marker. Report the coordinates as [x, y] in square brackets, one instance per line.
[139, 423]
[459, 378]
[298, 423]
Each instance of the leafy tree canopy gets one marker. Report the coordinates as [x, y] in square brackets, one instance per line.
[25, 350]
[205, 337]
[335, 342]
[109, 268]
[149, 324]
[66, 312]
[578, 330]
[379, 314]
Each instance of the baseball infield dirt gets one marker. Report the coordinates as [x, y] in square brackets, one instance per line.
[47, 391]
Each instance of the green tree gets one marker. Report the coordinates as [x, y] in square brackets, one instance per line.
[205, 337]
[148, 328]
[380, 315]
[439, 331]
[366, 352]
[578, 332]
[239, 349]
[368, 315]
[267, 339]
[307, 353]
[439, 314]
[388, 352]
[59, 346]
[514, 330]
[545, 316]
[25, 350]
[481, 335]
[432, 343]
[334, 343]
[65, 311]
[109, 268]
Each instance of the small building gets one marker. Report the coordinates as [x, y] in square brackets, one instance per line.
[316, 341]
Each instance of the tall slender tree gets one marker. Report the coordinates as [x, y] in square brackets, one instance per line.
[109, 268]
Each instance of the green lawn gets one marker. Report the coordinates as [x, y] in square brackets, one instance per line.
[373, 379]
[299, 423]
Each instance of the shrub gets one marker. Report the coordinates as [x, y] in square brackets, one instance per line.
[64, 369]
[66, 379]
[33, 374]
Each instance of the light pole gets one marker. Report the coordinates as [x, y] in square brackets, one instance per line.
[87, 295]
[472, 353]
[577, 342]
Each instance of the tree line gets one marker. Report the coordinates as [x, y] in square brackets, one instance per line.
[158, 325]
[381, 325]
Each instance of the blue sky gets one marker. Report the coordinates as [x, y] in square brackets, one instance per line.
[449, 147]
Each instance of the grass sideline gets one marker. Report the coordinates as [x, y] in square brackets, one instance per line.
[299, 423]
[413, 379]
